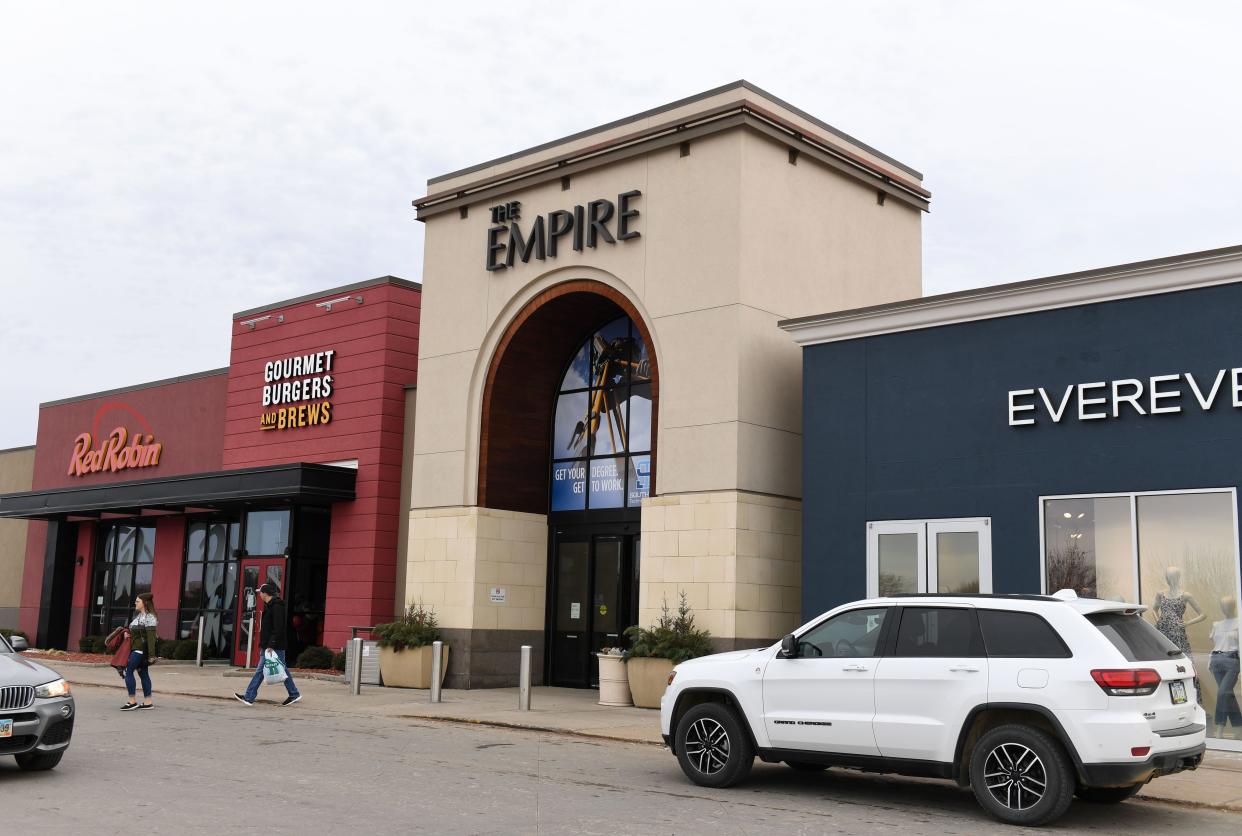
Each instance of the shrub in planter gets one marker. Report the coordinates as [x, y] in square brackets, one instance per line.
[405, 648]
[185, 650]
[165, 648]
[655, 650]
[92, 644]
[315, 656]
[338, 661]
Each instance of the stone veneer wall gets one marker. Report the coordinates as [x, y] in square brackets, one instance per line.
[456, 556]
[736, 555]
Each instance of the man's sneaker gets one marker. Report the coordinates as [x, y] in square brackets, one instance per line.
[292, 700]
[242, 698]
[129, 706]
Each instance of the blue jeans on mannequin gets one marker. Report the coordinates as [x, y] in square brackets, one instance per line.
[252, 690]
[1224, 668]
[137, 662]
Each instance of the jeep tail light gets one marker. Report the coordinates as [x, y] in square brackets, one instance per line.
[1127, 682]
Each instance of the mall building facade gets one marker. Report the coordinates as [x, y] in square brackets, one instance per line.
[608, 414]
[1075, 432]
[284, 466]
[593, 406]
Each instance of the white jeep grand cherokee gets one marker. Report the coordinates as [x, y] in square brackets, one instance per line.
[1029, 699]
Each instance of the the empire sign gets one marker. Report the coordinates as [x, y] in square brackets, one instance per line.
[580, 227]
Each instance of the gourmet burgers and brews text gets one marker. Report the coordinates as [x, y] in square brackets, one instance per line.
[301, 388]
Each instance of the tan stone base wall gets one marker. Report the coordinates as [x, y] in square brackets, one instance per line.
[457, 555]
[736, 555]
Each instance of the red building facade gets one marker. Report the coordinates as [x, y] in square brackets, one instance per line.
[286, 465]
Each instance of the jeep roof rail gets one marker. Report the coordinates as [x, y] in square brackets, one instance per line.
[1012, 596]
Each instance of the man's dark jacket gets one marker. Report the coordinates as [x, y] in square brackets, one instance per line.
[274, 627]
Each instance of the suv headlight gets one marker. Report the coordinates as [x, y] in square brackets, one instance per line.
[58, 688]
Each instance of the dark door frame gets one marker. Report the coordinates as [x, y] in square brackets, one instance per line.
[588, 526]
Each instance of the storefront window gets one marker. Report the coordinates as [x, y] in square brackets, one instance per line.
[209, 586]
[1175, 552]
[121, 571]
[1088, 548]
[601, 432]
[267, 533]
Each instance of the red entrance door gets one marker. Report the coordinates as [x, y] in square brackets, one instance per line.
[255, 571]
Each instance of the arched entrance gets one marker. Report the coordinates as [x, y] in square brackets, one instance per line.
[568, 430]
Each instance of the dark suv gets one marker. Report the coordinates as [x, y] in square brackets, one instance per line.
[36, 709]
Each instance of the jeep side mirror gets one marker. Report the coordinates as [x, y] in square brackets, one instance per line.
[789, 647]
[19, 643]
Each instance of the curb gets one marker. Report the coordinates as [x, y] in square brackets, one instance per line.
[465, 721]
[500, 724]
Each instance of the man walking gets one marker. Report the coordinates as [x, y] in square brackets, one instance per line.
[272, 636]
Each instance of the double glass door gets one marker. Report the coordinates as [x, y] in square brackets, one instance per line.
[947, 557]
[594, 600]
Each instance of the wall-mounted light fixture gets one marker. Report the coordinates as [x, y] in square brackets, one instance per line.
[250, 323]
[327, 306]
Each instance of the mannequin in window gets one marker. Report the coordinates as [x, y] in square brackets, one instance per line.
[1224, 667]
[1170, 610]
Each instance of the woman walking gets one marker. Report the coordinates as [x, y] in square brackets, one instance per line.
[142, 634]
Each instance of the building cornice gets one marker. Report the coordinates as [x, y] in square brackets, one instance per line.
[740, 84]
[747, 111]
[1143, 278]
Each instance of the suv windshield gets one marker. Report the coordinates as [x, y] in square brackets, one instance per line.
[1137, 640]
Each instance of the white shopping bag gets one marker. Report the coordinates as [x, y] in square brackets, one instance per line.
[273, 671]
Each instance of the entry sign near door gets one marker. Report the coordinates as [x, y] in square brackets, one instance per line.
[499, 594]
[575, 610]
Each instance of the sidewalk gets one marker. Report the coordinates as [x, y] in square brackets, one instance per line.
[1216, 784]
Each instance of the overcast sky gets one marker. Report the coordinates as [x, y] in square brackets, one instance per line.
[164, 165]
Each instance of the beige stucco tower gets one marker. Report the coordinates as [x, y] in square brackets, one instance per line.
[746, 211]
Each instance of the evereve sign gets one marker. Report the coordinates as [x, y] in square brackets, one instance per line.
[1161, 394]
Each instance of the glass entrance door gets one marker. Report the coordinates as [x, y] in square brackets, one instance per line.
[949, 557]
[255, 572]
[593, 599]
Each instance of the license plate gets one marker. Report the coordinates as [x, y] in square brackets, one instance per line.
[6, 728]
[1177, 690]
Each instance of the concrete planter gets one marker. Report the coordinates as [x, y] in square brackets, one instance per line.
[648, 678]
[614, 683]
[411, 668]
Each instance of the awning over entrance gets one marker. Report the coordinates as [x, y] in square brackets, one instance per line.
[303, 483]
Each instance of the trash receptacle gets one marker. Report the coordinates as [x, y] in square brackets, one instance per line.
[370, 661]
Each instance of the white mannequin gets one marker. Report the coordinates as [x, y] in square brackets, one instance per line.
[1173, 575]
[1225, 655]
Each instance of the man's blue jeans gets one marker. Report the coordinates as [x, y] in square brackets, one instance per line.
[252, 690]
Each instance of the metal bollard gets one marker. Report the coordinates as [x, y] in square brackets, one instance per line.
[249, 641]
[198, 656]
[355, 666]
[437, 659]
[524, 680]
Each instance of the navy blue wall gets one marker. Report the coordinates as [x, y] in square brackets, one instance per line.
[915, 425]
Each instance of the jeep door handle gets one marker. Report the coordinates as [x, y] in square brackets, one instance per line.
[854, 668]
[963, 669]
